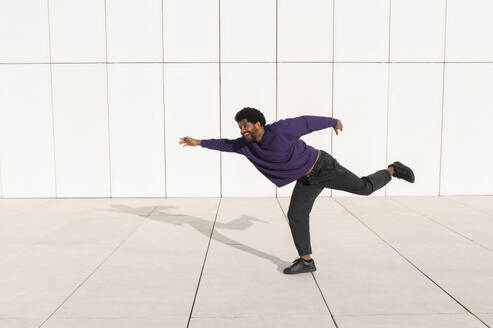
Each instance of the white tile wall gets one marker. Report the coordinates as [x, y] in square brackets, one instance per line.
[248, 30]
[467, 155]
[245, 85]
[77, 30]
[94, 31]
[361, 31]
[134, 30]
[191, 30]
[415, 119]
[417, 30]
[306, 89]
[469, 27]
[360, 102]
[81, 130]
[191, 95]
[136, 116]
[26, 134]
[305, 30]
[24, 31]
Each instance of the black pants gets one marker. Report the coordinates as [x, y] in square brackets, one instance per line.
[327, 173]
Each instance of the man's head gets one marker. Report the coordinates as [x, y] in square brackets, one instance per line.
[251, 122]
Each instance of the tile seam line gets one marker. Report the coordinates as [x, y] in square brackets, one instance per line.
[245, 62]
[163, 70]
[96, 197]
[332, 66]
[220, 95]
[266, 315]
[234, 316]
[441, 224]
[276, 100]
[203, 263]
[313, 276]
[52, 99]
[402, 314]
[388, 91]
[107, 95]
[467, 205]
[412, 264]
[137, 226]
[324, 315]
[103, 317]
[443, 99]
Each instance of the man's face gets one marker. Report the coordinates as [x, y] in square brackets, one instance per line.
[248, 130]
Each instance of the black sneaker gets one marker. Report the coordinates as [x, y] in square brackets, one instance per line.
[299, 266]
[401, 171]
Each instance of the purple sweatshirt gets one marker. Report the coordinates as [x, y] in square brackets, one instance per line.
[280, 156]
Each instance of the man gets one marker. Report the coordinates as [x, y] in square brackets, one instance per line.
[278, 153]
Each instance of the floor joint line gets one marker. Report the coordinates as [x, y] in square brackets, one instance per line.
[203, 263]
[138, 225]
[411, 263]
[442, 225]
[313, 276]
[468, 206]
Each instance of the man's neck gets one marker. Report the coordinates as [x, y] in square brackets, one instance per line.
[261, 135]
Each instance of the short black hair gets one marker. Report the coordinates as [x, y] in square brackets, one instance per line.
[252, 115]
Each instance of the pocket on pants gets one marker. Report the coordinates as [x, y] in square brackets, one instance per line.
[328, 164]
[325, 167]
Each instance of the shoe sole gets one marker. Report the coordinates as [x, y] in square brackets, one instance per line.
[301, 271]
[411, 173]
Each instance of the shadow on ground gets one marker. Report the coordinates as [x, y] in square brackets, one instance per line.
[203, 226]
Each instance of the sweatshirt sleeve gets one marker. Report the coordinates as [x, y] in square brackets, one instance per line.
[299, 126]
[228, 145]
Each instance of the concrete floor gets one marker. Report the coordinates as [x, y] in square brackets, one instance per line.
[210, 262]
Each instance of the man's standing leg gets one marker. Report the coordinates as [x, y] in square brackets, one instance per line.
[300, 206]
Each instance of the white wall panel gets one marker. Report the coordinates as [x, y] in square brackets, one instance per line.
[469, 28]
[191, 30]
[417, 31]
[467, 154]
[24, 31]
[191, 98]
[134, 30]
[77, 30]
[81, 130]
[415, 120]
[360, 102]
[67, 147]
[245, 85]
[248, 30]
[306, 89]
[135, 95]
[26, 133]
[305, 30]
[361, 31]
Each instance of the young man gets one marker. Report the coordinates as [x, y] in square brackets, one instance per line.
[278, 153]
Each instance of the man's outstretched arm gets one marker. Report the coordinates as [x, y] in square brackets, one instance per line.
[299, 126]
[228, 145]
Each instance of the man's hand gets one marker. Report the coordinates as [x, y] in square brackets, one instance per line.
[338, 127]
[187, 141]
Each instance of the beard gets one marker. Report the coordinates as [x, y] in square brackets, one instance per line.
[251, 139]
[253, 136]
